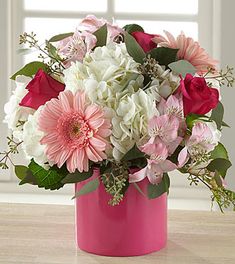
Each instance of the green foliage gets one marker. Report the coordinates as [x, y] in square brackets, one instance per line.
[224, 198]
[101, 36]
[30, 69]
[134, 49]
[48, 179]
[217, 115]
[115, 180]
[174, 157]
[5, 156]
[221, 165]
[88, 188]
[21, 171]
[182, 67]
[139, 189]
[29, 178]
[192, 118]
[156, 190]
[163, 55]
[139, 163]
[61, 37]
[130, 28]
[217, 178]
[219, 152]
[225, 124]
[52, 51]
[133, 154]
[77, 177]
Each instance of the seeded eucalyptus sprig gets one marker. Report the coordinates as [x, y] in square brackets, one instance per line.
[223, 197]
[5, 155]
[224, 77]
[48, 54]
[115, 181]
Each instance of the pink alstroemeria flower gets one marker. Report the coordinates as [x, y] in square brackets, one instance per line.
[74, 48]
[173, 106]
[157, 165]
[164, 128]
[199, 143]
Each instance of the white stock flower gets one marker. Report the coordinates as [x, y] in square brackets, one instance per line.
[31, 140]
[165, 83]
[216, 134]
[14, 112]
[131, 121]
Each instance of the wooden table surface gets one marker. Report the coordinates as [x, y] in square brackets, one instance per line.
[45, 234]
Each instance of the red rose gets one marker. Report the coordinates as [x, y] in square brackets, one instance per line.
[198, 98]
[144, 40]
[42, 88]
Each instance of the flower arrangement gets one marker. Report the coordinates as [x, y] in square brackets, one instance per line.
[131, 104]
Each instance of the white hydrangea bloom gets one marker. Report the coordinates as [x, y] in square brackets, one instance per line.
[103, 73]
[131, 121]
[31, 140]
[110, 78]
[14, 112]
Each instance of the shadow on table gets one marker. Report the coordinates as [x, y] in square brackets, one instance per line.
[173, 253]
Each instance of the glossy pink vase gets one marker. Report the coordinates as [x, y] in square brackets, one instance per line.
[136, 226]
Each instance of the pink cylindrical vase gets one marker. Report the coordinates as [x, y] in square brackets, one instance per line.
[136, 226]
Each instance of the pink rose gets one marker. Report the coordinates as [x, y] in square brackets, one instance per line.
[42, 88]
[198, 97]
[145, 40]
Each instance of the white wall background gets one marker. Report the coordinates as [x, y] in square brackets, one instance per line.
[216, 34]
[227, 57]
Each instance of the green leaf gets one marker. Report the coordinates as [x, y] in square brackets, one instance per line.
[130, 28]
[134, 49]
[101, 36]
[156, 190]
[29, 178]
[218, 178]
[219, 152]
[182, 67]
[48, 179]
[217, 115]
[52, 51]
[163, 55]
[192, 118]
[21, 171]
[138, 189]
[88, 188]
[61, 36]
[139, 162]
[225, 124]
[77, 176]
[30, 69]
[220, 165]
[133, 154]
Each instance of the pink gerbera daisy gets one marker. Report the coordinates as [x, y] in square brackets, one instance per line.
[75, 132]
[189, 50]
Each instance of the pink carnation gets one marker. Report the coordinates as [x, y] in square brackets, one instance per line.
[75, 132]
[189, 50]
